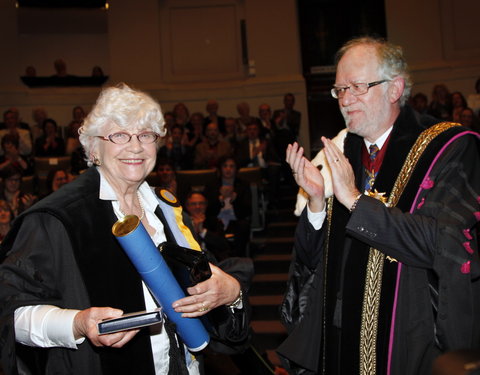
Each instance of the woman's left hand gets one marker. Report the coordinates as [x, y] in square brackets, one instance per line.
[219, 289]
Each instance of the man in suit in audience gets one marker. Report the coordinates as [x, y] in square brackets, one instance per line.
[12, 126]
[255, 151]
[212, 110]
[289, 118]
[211, 149]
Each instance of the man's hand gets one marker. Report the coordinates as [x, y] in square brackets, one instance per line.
[343, 178]
[307, 176]
[85, 325]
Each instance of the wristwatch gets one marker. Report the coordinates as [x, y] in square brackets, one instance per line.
[238, 302]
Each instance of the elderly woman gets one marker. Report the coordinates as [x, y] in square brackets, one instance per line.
[65, 272]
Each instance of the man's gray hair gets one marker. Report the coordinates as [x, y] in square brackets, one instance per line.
[391, 60]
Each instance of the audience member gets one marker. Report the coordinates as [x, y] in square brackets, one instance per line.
[195, 129]
[78, 115]
[15, 117]
[30, 71]
[177, 149]
[6, 217]
[254, 151]
[73, 141]
[169, 120]
[212, 110]
[11, 156]
[212, 149]
[289, 118]
[419, 103]
[167, 178]
[12, 127]
[267, 126]
[208, 228]
[441, 105]
[97, 71]
[56, 178]
[39, 115]
[231, 134]
[181, 114]
[469, 120]
[60, 67]
[244, 118]
[17, 199]
[49, 144]
[230, 200]
[459, 103]
[474, 99]
[78, 161]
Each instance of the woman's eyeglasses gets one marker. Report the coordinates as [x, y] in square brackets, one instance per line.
[122, 138]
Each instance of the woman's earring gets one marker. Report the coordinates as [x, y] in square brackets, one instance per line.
[96, 161]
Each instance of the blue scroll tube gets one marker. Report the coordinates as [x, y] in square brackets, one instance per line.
[156, 274]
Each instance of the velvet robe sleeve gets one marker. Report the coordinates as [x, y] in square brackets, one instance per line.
[301, 310]
[40, 268]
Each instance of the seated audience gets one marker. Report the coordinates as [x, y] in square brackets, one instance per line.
[12, 193]
[177, 149]
[12, 126]
[50, 144]
[208, 228]
[230, 200]
[11, 156]
[211, 150]
[231, 133]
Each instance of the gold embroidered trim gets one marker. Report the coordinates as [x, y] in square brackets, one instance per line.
[374, 271]
[325, 267]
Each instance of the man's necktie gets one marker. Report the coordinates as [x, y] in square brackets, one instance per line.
[371, 172]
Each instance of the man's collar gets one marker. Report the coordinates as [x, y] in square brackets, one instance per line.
[380, 141]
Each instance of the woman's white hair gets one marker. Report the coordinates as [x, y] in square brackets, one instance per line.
[125, 107]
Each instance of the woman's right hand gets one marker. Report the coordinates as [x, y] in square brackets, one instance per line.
[85, 325]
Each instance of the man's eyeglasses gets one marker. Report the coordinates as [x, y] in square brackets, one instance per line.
[338, 92]
[122, 138]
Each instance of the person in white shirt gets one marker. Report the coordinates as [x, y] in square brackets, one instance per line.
[64, 271]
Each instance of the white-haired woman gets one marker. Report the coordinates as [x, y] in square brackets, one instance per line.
[64, 270]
